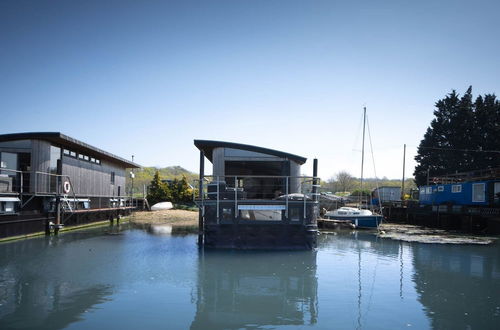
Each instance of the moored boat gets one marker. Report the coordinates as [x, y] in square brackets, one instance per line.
[359, 218]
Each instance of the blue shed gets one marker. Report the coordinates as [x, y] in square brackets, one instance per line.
[464, 193]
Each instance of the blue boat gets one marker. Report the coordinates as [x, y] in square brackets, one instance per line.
[357, 217]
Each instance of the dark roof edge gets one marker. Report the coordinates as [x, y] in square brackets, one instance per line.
[209, 145]
[63, 139]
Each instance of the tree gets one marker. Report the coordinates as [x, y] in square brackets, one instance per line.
[460, 138]
[158, 191]
[345, 181]
[181, 191]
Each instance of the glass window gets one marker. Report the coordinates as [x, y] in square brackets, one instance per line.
[261, 215]
[456, 188]
[478, 192]
[8, 160]
[294, 214]
[113, 177]
[227, 213]
[92, 159]
[18, 144]
[440, 188]
[72, 154]
[55, 156]
[66, 152]
[97, 161]
[429, 190]
[80, 156]
[85, 157]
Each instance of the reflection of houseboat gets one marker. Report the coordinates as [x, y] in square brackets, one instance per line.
[52, 178]
[255, 198]
[469, 275]
[265, 289]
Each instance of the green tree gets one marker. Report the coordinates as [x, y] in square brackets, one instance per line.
[181, 191]
[158, 191]
[460, 137]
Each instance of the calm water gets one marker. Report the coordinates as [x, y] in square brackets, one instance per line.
[134, 280]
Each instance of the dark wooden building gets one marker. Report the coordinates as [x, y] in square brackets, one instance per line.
[49, 178]
[256, 198]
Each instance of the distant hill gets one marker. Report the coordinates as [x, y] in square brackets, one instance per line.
[144, 176]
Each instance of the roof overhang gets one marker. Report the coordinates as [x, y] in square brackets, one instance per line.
[70, 143]
[207, 146]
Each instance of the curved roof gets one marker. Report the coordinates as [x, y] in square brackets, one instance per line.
[70, 143]
[207, 146]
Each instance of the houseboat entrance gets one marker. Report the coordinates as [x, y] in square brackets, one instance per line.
[255, 199]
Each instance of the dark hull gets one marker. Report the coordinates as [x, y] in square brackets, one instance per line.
[261, 237]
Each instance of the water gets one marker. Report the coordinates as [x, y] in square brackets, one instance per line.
[134, 280]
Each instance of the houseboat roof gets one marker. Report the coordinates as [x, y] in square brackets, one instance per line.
[70, 143]
[207, 146]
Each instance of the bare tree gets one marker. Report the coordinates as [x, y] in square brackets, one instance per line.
[331, 184]
[345, 181]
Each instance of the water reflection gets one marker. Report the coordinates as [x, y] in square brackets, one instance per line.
[36, 289]
[139, 279]
[250, 289]
[459, 286]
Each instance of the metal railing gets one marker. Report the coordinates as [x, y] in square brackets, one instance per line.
[31, 184]
[252, 189]
[13, 181]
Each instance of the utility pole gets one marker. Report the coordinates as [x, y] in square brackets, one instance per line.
[132, 188]
[403, 182]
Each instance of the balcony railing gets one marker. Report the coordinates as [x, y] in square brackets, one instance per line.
[252, 194]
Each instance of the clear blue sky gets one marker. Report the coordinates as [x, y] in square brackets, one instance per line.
[148, 77]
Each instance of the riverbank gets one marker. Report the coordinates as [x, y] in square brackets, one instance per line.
[174, 218]
[420, 234]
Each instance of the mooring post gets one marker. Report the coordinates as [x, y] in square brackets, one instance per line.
[58, 215]
[315, 180]
[200, 195]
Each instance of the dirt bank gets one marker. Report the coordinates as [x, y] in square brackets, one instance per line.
[181, 218]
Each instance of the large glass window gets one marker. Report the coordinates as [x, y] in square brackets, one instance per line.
[55, 161]
[8, 178]
[478, 192]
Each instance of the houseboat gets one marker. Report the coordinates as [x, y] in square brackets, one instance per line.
[49, 180]
[255, 198]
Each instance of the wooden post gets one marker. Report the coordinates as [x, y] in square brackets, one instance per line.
[200, 192]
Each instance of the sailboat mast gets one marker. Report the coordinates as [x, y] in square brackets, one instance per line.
[363, 153]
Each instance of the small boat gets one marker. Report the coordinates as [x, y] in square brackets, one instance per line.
[359, 218]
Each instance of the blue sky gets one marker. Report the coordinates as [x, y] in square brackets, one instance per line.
[148, 77]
